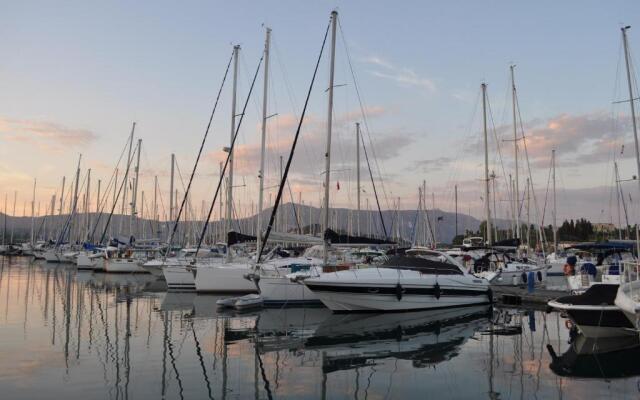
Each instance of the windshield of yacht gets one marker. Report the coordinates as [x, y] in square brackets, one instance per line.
[442, 264]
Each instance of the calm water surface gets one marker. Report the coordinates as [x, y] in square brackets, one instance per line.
[75, 335]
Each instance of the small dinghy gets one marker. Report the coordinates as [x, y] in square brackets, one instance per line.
[228, 302]
[248, 301]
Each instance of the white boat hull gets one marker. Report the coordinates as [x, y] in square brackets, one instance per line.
[179, 278]
[86, 262]
[385, 290]
[224, 278]
[51, 256]
[281, 290]
[123, 265]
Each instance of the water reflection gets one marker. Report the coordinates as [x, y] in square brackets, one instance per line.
[604, 358]
[68, 334]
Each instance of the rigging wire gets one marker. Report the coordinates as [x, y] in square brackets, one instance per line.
[226, 163]
[293, 147]
[195, 165]
[366, 125]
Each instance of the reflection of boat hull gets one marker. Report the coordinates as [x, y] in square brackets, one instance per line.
[598, 359]
[424, 337]
[225, 278]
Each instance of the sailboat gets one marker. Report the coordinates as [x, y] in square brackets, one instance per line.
[607, 309]
[403, 283]
[627, 297]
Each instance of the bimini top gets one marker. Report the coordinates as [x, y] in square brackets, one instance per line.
[611, 245]
[423, 265]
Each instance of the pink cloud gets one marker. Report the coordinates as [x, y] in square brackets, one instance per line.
[44, 135]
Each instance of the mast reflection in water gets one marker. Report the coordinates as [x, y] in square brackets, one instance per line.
[80, 335]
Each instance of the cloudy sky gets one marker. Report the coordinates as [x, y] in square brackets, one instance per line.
[74, 76]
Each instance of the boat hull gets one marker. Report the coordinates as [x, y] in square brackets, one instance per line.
[179, 278]
[124, 265]
[225, 278]
[280, 290]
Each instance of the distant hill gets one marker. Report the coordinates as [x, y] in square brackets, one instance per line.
[402, 223]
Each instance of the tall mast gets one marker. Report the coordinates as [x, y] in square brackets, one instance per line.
[236, 51]
[62, 195]
[155, 206]
[631, 99]
[267, 43]
[173, 170]
[126, 173]
[516, 194]
[358, 171]
[555, 220]
[75, 193]
[4, 229]
[134, 195]
[455, 188]
[87, 202]
[13, 220]
[327, 154]
[617, 180]
[33, 205]
[486, 165]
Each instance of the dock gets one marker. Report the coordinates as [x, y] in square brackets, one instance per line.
[519, 295]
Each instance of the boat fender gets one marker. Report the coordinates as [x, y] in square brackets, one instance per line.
[436, 291]
[490, 296]
[524, 277]
[399, 291]
[539, 274]
[568, 324]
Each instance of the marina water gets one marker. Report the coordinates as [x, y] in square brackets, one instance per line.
[82, 335]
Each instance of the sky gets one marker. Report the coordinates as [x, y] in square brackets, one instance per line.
[75, 75]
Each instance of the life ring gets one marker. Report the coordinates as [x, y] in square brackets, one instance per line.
[568, 324]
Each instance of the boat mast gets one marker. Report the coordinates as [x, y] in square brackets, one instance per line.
[516, 197]
[267, 44]
[236, 51]
[173, 170]
[486, 165]
[555, 220]
[75, 194]
[62, 195]
[87, 202]
[617, 180]
[358, 172]
[327, 154]
[134, 195]
[33, 205]
[455, 189]
[13, 219]
[631, 102]
[126, 178]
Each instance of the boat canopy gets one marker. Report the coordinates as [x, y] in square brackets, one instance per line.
[234, 237]
[338, 238]
[423, 265]
[611, 246]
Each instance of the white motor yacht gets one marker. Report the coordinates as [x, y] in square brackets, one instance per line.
[402, 283]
